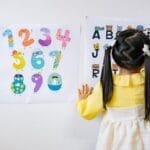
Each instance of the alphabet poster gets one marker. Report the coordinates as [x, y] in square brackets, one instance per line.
[38, 63]
[101, 31]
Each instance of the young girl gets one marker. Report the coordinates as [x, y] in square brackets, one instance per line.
[124, 97]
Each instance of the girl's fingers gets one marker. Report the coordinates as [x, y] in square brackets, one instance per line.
[79, 92]
[91, 90]
[85, 91]
[80, 95]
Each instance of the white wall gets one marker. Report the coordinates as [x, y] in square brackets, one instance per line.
[56, 126]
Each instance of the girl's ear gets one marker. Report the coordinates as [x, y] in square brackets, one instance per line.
[142, 68]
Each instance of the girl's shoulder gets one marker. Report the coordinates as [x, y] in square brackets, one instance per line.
[131, 79]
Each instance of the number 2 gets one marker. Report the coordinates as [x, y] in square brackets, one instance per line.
[27, 40]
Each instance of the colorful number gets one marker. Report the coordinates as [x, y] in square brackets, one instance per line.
[38, 80]
[48, 39]
[37, 59]
[9, 34]
[64, 38]
[20, 62]
[58, 56]
[27, 40]
[18, 85]
[54, 81]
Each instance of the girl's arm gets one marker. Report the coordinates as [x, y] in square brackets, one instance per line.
[90, 103]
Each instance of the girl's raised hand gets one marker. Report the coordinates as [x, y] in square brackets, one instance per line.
[84, 91]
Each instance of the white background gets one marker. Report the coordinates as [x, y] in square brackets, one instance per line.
[56, 126]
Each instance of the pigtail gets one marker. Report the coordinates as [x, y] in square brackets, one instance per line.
[106, 77]
[147, 87]
[146, 50]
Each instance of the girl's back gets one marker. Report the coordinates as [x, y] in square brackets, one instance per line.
[124, 98]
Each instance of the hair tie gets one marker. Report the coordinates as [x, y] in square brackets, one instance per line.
[111, 44]
[146, 32]
[146, 50]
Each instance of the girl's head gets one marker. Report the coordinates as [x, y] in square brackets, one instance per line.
[128, 53]
[128, 49]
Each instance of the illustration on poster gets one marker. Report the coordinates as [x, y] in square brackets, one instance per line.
[37, 61]
[102, 34]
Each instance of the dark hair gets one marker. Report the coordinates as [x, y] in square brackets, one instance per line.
[127, 53]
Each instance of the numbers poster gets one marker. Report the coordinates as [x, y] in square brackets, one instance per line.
[99, 32]
[39, 63]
